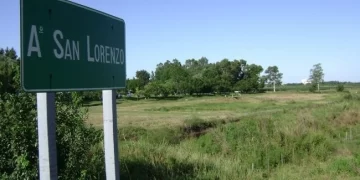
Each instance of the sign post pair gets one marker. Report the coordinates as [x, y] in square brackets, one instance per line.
[69, 47]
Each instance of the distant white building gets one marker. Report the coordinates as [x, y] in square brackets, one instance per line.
[305, 81]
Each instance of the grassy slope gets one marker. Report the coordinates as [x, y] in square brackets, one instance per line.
[307, 136]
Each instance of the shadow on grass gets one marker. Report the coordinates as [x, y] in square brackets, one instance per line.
[152, 98]
[202, 95]
[97, 103]
[142, 169]
[167, 98]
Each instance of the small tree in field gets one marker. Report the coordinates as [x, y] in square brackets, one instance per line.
[340, 88]
[273, 76]
[317, 75]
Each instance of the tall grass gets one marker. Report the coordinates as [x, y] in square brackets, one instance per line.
[261, 146]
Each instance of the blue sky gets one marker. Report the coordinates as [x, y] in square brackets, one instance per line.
[292, 34]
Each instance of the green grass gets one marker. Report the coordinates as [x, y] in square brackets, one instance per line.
[305, 88]
[232, 106]
[307, 136]
[152, 113]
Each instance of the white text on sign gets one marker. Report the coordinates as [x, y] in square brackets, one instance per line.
[67, 49]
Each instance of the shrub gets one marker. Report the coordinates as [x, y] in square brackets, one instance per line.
[312, 88]
[340, 88]
[79, 153]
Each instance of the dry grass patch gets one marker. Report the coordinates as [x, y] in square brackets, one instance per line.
[343, 152]
[348, 117]
[292, 96]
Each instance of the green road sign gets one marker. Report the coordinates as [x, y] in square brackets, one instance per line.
[69, 47]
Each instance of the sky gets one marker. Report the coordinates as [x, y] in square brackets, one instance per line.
[292, 34]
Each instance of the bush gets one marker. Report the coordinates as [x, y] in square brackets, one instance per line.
[340, 88]
[312, 88]
[350, 96]
[79, 153]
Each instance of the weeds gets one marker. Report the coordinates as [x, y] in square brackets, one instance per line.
[253, 147]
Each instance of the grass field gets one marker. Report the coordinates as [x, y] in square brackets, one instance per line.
[285, 135]
[158, 113]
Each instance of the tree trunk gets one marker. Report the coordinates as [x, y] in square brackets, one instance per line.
[274, 86]
[318, 87]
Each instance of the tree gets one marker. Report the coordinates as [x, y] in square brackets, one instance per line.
[9, 71]
[317, 75]
[200, 76]
[11, 53]
[173, 74]
[152, 76]
[273, 76]
[251, 81]
[195, 67]
[138, 93]
[155, 88]
[132, 84]
[143, 78]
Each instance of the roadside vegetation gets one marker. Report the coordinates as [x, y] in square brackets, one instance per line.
[315, 141]
[195, 121]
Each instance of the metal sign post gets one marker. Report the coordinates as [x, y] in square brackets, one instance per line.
[110, 135]
[47, 135]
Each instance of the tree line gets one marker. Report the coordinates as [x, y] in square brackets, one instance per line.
[193, 77]
[201, 77]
